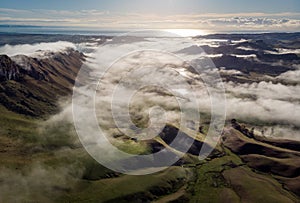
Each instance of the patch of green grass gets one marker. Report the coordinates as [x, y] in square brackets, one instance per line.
[209, 182]
[254, 187]
[126, 187]
[57, 135]
[132, 147]
[17, 126]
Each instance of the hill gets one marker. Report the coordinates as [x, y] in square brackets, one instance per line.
[34, 87]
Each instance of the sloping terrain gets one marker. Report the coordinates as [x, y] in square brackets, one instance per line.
[34, 87]
[44, 161]
[268, 156]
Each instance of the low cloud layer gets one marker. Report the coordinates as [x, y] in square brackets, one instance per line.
[259, 103]
[38, 182]
[262, 103]
[36, 50]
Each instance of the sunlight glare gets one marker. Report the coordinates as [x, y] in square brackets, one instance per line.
[187, 32]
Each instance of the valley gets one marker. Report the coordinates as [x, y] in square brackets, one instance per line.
[253, 160]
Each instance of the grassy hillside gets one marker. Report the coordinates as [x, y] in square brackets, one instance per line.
[223, 177]
[42, 160]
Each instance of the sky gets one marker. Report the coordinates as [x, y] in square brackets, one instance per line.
[168, 14]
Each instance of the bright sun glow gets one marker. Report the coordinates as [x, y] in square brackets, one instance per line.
[187, 32]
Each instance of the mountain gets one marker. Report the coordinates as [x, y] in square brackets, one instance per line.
[33, 85]
[42, 159]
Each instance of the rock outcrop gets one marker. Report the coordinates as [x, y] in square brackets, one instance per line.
[9, 70]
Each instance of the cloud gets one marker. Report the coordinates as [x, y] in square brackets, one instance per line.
[292, 76]
[260, 102]
[279, 131]
[248, 23]
[275, 105]
[22, 186]
[109, 20]
[36, 50]
[265, 102]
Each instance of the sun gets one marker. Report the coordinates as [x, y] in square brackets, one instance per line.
[186, 32]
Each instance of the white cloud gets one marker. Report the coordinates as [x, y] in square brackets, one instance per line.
[265, 102]
[106, 19]
[22, 185]
[292, 76]
[36, 50]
